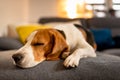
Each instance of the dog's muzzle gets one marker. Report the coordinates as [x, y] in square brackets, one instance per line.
[17, 58]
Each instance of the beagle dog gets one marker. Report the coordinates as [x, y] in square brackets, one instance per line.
[62, 41]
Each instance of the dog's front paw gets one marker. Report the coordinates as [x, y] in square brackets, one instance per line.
[71, 61]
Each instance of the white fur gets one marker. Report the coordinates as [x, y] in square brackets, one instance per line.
[27, 51]
[74, 38]
[78, 45]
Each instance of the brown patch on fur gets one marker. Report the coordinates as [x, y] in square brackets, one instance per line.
[48, 44]
[59, 45]
[94, 45]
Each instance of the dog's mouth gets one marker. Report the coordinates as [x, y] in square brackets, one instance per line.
[24, 64]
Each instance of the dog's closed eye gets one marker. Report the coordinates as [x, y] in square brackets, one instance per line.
[38, 44]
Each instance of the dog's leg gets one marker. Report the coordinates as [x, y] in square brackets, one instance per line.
[65, 55]
[74, 58]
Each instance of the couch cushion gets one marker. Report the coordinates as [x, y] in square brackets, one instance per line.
[103, 67]
[103, 38]
[112, 23]
[117, 41]
[11, 31]
[7, 43]
[114, 51]
[25, 30]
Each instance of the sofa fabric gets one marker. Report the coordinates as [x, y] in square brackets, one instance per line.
[103, 39]
[110, 23]
[7, 43]
[103, 67]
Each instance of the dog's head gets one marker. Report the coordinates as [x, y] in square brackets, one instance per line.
[43, 44]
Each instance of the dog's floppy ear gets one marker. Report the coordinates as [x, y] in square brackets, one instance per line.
[62, 33]
[59, 46]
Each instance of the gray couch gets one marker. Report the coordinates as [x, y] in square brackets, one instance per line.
[113, 25]
[103, 67]
[106, 66]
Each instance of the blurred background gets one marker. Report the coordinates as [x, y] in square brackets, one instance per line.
[89, 8]
[29, 11]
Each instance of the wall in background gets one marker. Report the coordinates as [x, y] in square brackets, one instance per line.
[42, 8]
[12, 12]
[24, 11]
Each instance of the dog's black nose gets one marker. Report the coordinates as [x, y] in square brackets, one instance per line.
[17, 57]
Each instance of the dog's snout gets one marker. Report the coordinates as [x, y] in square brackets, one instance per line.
[17, 57]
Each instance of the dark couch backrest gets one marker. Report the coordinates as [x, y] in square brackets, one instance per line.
[104, 22]
[111, 23]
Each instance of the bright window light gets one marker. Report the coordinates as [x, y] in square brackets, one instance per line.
[118, 14]
[99, 7]
[100, 14]
[94, 1]
[116, 1]
[89, 7]
[71, 9]
[116, 7]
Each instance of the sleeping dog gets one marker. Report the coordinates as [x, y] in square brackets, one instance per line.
[62, 41]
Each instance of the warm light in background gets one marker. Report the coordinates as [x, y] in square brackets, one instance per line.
[74, 9]
[71, 9]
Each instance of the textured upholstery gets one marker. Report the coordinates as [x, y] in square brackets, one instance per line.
[103, 67]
